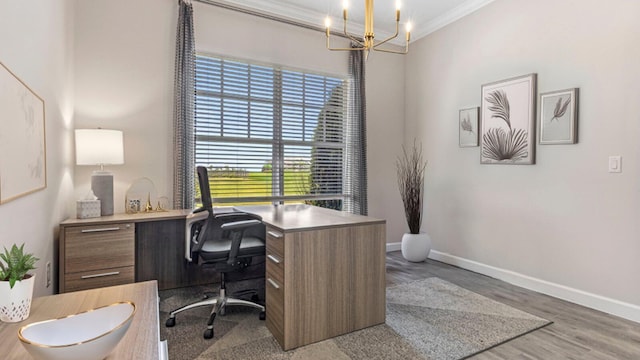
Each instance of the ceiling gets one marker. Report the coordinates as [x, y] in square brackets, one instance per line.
[426, 16]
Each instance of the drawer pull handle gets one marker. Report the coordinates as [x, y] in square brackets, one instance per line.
[100, 230]
[273, 258]
[273, 283]
[274, 234]
[100, 275]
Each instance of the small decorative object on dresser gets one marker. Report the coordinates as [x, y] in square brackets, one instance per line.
[415, 244]
[16, 285]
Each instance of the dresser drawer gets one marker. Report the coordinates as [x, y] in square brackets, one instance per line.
[274, 289]
[89, 248]
[100, 278]
[275, 241]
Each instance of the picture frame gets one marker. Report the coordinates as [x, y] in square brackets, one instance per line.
[559, 117]
[508, 117]
[22, 131]
[133, 205]
[468, 127]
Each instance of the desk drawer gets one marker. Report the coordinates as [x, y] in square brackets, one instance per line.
[275, 263]
[96, 247]
[275, 241]
[274, 289]
[99, 278]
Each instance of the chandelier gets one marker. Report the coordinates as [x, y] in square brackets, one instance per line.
[368, 43]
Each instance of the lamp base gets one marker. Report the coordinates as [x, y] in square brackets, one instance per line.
[102, 186]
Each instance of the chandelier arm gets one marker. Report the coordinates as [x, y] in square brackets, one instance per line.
[389, 38]
[345, 49]
[339, 49]
[351, 37]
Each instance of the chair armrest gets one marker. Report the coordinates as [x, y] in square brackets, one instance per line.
[236, 225]
[192, 218]
[237, 229]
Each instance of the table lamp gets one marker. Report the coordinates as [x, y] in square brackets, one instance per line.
[100, 147]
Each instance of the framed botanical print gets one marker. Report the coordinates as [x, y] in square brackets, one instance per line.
[468, 127]
[559, 117]
[22, 131]
[508, 114]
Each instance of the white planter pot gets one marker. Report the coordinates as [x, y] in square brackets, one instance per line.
[416, 247]
[15, 303]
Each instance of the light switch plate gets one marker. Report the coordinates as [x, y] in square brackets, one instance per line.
[615, 164]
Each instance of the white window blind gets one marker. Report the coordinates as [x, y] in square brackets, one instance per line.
[269, 134]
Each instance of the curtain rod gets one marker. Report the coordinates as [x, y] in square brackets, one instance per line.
[267, 16]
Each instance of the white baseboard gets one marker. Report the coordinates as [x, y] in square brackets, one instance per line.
[393, 246]
[608, 305]
[597, 302]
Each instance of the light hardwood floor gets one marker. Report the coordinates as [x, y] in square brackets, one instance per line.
[577, 332]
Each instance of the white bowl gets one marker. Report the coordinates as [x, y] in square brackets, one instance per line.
[88, 335]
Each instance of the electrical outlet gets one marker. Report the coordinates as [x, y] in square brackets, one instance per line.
[48, 277]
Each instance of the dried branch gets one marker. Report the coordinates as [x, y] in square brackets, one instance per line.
[410, 168]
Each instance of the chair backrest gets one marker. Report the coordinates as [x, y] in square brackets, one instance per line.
[211, 227]
[203, 180]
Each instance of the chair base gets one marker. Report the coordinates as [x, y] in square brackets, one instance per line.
[219, 304]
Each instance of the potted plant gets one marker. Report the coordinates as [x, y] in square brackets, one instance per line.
[16, 284]
[410, 167]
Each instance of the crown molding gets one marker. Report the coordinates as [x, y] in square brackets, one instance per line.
[277, 9]
[314, 19]
[449, 17]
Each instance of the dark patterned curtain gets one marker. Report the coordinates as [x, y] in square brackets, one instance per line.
[356, 177]
[183, 111]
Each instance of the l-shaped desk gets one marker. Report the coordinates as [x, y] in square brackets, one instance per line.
[325, 273]
[325, 269]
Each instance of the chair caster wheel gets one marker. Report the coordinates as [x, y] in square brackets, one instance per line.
[171, 322]
[208, 334]
[255, 298]
[263, 315]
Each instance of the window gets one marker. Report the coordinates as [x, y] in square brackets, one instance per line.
[270, 134]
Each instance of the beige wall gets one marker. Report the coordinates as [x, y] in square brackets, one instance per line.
[565, 220]
[36, 41]
[124, 80]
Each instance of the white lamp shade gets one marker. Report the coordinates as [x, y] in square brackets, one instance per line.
[99, 147]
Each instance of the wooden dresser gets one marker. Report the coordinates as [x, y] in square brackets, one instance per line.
[325, 273]
[117, 249]
[97, 256]
[126, 248]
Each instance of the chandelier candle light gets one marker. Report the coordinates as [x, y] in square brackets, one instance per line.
[367, 43]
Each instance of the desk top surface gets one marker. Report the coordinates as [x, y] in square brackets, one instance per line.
[137, 217]
[140, 341]
[295, 217]
[288, 217]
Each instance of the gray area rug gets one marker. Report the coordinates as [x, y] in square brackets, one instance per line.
[426, 319]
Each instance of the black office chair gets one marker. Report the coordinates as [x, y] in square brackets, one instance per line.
[228, 242]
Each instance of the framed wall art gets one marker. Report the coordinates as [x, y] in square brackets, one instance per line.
[23, 168]
[508, 113]
[559, 117]
[468, 127]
